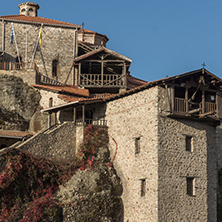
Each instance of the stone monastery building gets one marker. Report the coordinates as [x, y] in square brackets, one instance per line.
[168, 131]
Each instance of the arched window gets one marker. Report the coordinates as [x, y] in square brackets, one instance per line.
[31, 10]
[23, 10]
[54, 67]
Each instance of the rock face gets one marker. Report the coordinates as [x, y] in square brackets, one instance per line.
[18, 102]
[92, 194]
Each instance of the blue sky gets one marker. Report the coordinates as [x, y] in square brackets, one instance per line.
[162, 37]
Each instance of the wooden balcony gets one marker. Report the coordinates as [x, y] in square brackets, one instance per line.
[182, 106]
[15, 66]
[95, 122]
[98, 80]
[210, 107]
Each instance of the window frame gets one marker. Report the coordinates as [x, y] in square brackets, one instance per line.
[191, 186]
[189, 143]
[137, 144]
[55, 67]
[143, 187]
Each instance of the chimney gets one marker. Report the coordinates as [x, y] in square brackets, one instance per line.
[29, 9]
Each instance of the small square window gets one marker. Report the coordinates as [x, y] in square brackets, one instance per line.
[189, 143]
[191, 186]
[143, 187]
[137, 145]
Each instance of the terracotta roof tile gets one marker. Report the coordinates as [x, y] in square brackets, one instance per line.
[37, 20]
[134, 82]
[73, 99]
[87, 31]
[64, 89]
[13, 133]
[157, 82]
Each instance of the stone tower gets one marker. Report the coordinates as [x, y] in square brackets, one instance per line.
[29, 9]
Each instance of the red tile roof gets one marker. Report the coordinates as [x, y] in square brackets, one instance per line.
[87, 31]
[64, 89]
[133, 82]
[73, 99]
[37, 20]
[160, 81]
[14, 133]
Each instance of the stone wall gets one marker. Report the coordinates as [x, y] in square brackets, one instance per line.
[28, 76]
[57, 44]
[219, 145]
[57, 142]
[176, 164]
[39, 120]
[130, 119]
[46, 95]
[153, 163]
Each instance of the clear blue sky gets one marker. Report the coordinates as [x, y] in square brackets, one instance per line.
[163, 37]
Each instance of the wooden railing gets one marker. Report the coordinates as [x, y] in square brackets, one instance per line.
[180, 106]
[46, 80]
[210, 107]
[95, 122]
[101, 80]
[15, 66]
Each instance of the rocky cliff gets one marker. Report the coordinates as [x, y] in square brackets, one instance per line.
[18, 102]
[92, 194]
[84, 189]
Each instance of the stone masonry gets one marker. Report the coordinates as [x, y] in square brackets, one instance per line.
[130, 118]
[57, 142]
[153, 163]
[57, 43]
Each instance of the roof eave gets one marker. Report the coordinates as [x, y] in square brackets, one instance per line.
[103, 49]
[39, 23]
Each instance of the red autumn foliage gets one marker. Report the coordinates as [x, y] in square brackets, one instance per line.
[27, 183]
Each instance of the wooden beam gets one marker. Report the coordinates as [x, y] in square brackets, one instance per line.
[124, 75]
[186, 100]
[83, 113]
[217, 104]
[168, 96]
[105, 61]
[102, 67]
[203, 102]
[79, 73]
[194, 111]
[49, 120]
[206, 114]
[74, 115]
[172, 96]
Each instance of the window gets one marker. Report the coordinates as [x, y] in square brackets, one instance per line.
[189, 143]
[137, 145]
[54, 67]
[31, 10]
[143, 187]
[23, 10]
[191, 186]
